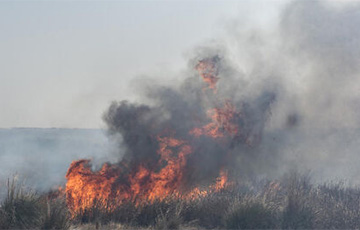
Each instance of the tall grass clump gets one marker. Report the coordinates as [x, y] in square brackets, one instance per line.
[171, 219]
[55, 214]
[251, 212]
[208, 211]
[336, 206]
[299, 211]
[23, 208]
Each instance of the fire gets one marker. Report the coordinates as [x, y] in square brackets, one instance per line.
[85, 187]
[169, 178]
[208, 69]
[222, 120]
[168, 166]
[221, 181]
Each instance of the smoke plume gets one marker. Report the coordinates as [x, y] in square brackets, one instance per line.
[292, 92]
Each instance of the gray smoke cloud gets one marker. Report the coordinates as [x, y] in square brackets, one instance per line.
[176, 111]
[322, 44]
[295, 86]
[311, 58]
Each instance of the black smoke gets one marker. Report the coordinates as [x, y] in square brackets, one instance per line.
[176, 111]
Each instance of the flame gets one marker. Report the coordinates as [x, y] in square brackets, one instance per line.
[221, 181]
[116, 183]
[208, 69]
[222, 120]
[86, 188]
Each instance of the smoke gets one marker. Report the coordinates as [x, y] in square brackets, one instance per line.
[198, 111]
[312, 58]
[39, 158]
[322, 45]
[294, 88]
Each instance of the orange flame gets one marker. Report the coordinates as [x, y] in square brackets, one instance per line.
[222, 120]
[115, 183]
[86, 188]
[208, 70]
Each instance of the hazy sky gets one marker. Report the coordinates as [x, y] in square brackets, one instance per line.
[63, 62]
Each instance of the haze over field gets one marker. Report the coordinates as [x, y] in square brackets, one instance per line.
[42, 156]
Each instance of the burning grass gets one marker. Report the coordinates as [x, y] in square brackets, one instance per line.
[182, 171]
[177, 156]
[293, 202]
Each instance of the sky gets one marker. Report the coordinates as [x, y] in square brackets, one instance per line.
[63, 62]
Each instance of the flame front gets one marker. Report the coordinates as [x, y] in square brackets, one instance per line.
[86, 188]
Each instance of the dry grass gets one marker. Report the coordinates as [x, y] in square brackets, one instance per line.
[294, 202]
[25, 209]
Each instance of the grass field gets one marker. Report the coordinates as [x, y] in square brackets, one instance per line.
[291, 203]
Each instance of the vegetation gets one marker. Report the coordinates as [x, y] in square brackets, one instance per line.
[292, 203]
[25, 209]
